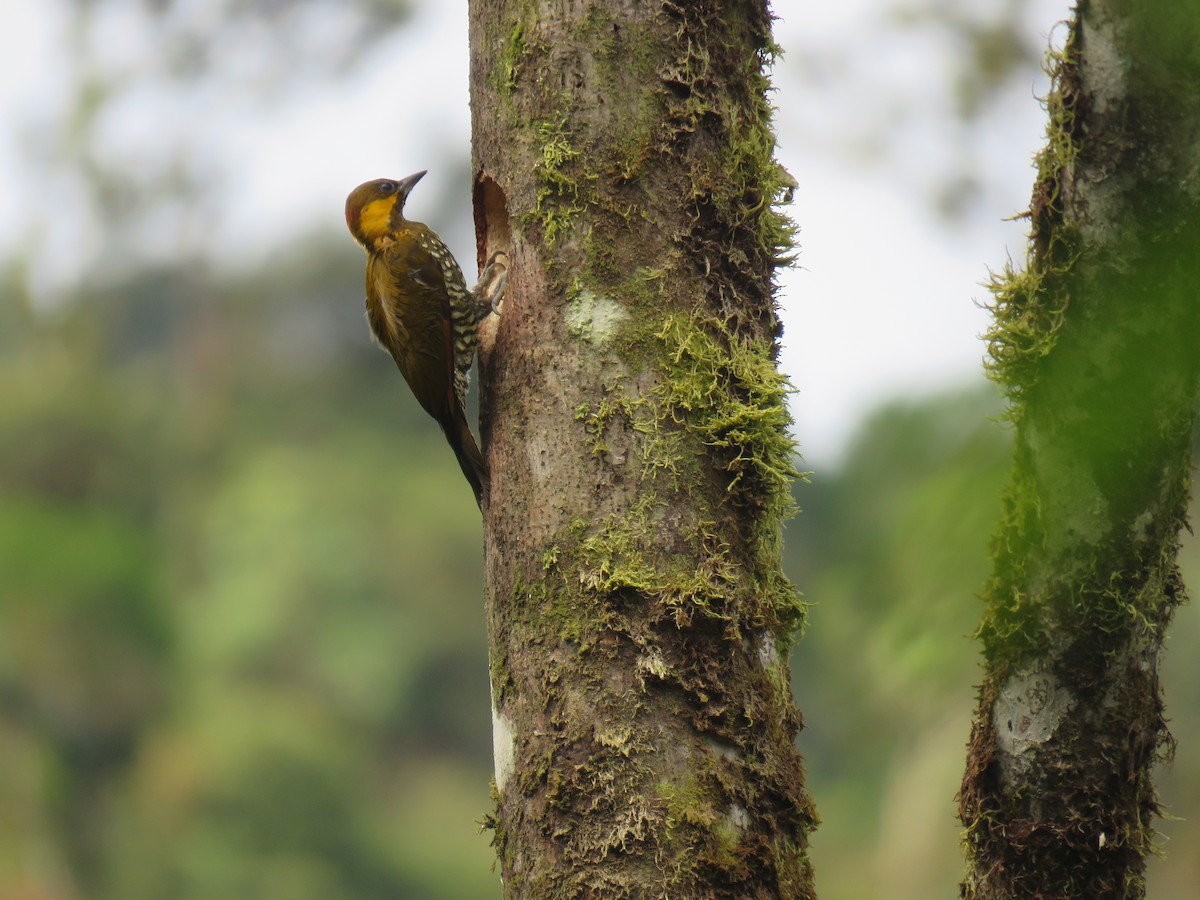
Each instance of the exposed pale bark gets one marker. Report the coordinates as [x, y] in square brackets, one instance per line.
[635, 424]
[1097, 344]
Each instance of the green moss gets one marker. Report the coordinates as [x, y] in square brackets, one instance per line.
[499, 674]
[489, 821]
[1028, 306]
[592, 570]
[717, 398]
[559, 199]
[594, 29]
[731, 394]
[510, 61]
[727, 849]
[632, 149]
[597, 418]
[613, 557]
[1028, 309]
[695, 816]
[755, 186]
[553, 601]
[687, 803]
[517, 44]
[625, 554]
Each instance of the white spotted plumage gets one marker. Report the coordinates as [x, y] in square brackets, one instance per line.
[466, 312]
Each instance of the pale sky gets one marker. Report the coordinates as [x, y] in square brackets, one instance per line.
[883, 304]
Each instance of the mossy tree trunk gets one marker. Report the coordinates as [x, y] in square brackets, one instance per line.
[1097, 344]
[635, 423]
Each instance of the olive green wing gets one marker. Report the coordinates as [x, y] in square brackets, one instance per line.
[417, 324]
[426, 351]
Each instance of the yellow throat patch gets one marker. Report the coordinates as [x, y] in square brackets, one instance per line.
[376, 218]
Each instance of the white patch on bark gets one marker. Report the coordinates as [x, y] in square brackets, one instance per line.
[593, 318]
[1140, 530]
[738, 817]
[768, 652]
[503, 750]
[1025, 716]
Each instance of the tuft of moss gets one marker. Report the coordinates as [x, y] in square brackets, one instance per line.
[1028, 305]
[730, 393]
[717, 397]
[559, 199]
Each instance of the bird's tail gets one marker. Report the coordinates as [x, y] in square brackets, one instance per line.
[470, 460]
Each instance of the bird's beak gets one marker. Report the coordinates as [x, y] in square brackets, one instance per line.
[406, 184]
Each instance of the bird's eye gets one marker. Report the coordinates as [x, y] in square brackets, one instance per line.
[387, 187]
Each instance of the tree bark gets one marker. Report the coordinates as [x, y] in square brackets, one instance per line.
[1097, 344]
[635, 423]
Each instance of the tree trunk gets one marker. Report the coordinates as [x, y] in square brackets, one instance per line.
[635, 423]
[1097, 345]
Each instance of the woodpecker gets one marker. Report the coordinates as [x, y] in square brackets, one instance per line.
[420, 311]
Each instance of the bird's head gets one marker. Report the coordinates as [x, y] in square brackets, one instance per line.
[375, 208]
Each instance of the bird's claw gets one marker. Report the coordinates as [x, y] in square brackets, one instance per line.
[492, 281]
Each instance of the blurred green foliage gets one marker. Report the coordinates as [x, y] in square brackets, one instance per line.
[242, 644]
[891, 550]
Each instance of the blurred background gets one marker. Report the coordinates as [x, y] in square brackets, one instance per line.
[242, 643]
